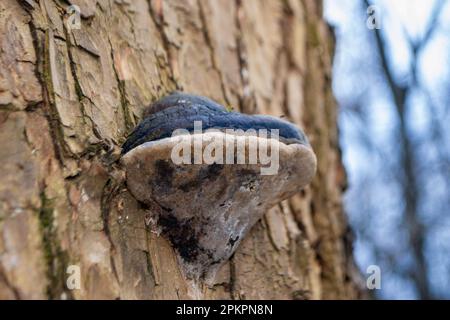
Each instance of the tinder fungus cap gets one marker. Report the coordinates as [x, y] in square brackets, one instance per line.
[213, 172]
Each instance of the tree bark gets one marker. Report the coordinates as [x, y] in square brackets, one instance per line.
[69, 97]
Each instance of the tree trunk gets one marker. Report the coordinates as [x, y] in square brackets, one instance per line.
[70, 94]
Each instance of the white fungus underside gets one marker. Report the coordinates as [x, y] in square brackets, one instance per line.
[219, 202]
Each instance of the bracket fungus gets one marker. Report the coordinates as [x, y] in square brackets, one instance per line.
[213, 173]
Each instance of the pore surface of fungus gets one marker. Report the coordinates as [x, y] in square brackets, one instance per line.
[212, 185]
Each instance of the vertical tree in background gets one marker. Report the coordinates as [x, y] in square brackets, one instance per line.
[393, 94]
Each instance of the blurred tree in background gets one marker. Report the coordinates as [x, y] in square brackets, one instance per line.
[392, 82]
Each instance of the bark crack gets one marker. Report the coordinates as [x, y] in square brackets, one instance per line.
[78, 90]
[110, 190]
[54, 256]
[247, 100]
[9, 285]
[43, 74]
[158, 20]
[129, 124]
[211, 50]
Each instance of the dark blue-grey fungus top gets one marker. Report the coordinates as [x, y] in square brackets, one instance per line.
[180, 110]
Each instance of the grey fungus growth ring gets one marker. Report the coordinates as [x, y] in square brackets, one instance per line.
[207, 207]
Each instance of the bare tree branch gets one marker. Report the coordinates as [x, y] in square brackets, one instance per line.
[408, 157]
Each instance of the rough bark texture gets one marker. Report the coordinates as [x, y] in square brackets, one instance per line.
[68, 98]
